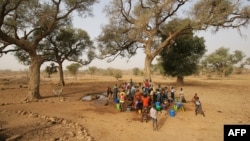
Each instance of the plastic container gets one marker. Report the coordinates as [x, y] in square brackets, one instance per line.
[118, 106]
[158, 108]
[164, 107]
[171, 113]
[175, 107]
[117, 101]
[128, 109]
[179, 104]
[157, 104]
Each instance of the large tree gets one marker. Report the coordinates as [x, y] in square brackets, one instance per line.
[25, 23]
[183, 56]
[68, 44]
[139, 24]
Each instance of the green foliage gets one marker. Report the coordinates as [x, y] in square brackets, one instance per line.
[183, 56]
[92, 70]
[74, 68]
[141, 24]
[26, 23]
[116, 73]
[51, 69]
[247, 62]
[136, 71]
[222, 62]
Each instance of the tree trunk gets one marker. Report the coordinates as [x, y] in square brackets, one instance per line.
[147, 67]
[61, 75]
[34, 82]
[180, 80]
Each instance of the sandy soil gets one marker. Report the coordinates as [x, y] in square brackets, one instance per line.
[68, 118]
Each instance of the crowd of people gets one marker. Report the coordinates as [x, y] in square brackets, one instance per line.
[147, 100]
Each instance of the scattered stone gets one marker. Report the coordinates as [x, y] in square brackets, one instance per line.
[14, 138]
[73, 130]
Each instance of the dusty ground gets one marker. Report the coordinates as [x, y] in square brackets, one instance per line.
[68, 118]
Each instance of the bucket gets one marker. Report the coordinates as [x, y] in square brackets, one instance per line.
[171, 113]
[175, 107]
[164, 106]
[157, 104]
[128, 109]
[117, 100]
[118, 106]
[179, 104]
[158, 108]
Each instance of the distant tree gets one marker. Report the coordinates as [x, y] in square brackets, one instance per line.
[221, 61]
[109, 71]
[92, 70]
[237, 58]
[25, 23]
[51, 69]
[74, 68]
[247, 62]
[117, 74]
[183, 56]
[136, 71]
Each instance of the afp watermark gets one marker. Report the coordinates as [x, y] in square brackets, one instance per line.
[237, 132]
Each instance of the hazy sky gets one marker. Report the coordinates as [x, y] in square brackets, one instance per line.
[224, 38]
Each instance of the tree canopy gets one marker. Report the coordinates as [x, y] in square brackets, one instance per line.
[183, 56]
[141, 24]
[222, 62]
[52, 68]
[68, 44]
[74, 68]
[25, 23]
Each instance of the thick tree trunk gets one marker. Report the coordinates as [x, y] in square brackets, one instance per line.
[180, 80]
[61, 75]
[34, 83]
[147, 68]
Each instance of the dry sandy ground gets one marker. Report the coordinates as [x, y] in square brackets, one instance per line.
[68, 118]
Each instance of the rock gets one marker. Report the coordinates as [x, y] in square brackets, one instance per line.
[14, 138]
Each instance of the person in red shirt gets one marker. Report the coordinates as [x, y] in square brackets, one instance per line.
[145, 100]
[145, 110]
[146, 87]
[137, 100]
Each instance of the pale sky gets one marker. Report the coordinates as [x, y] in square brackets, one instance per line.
[224, 38]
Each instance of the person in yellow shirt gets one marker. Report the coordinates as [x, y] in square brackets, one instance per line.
[122, 98]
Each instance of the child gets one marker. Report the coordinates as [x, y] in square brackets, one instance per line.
[172, 93]
[198, 108]
[153, 115]
[109, 92]
[182, 98]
